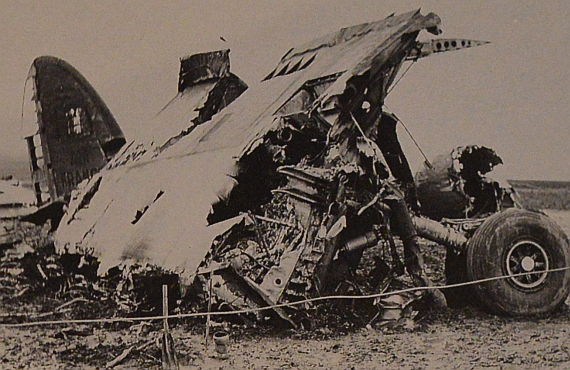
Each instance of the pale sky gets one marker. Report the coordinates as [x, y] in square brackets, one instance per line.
[511, 95]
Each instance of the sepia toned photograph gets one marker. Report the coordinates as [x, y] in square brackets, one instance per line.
[284, 185]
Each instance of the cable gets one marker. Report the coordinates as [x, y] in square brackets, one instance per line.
[281, 305]
[402, 76]
[427, 162]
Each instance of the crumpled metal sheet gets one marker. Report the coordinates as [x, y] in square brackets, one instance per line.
[364, 42]
[457, 186]
[135, 209]
[202, 67]
[170, 121]
[354, 50]
[172, 232]
[253, 114]
[197, 170]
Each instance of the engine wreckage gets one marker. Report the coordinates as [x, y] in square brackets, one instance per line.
[277, 196]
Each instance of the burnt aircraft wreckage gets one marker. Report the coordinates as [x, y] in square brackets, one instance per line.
[69, 131]
[278, 197]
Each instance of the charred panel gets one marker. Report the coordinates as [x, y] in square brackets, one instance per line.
[78, 132]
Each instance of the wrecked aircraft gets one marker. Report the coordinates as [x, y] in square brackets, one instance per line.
[278, 196]
[69, 131]
[455, 185]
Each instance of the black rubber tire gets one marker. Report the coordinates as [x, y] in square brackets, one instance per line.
[455, 273]
[487, 253]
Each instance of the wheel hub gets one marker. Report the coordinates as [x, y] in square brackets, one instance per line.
[527, 256]
[527, 264]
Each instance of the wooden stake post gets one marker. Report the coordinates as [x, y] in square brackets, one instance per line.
[169, 361]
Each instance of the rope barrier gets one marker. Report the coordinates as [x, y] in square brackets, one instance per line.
[281, 305]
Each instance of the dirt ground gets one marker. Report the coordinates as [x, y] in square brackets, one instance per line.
[451, 339]
[458, 340]
[464, 338]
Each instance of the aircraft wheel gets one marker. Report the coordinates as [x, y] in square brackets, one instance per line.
[513, 242]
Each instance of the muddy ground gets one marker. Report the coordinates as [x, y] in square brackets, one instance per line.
[465, 338]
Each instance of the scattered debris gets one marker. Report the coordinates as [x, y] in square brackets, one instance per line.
[295, 189]
[285, 193]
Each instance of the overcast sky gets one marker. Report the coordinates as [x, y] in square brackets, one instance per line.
[512, 95]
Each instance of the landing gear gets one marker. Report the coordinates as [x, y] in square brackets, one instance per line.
[524, 244]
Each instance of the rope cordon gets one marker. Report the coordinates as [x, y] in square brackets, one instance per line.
[281, 305]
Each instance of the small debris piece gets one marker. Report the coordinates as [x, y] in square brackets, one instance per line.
[117, 360]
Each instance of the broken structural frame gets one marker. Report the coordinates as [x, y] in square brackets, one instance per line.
[309, 141]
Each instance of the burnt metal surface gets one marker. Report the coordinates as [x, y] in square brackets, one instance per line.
[76, 133]
[457, 186]
[202, 67]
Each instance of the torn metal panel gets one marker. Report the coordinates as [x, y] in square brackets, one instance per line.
[457, 186]
[174, 120]
[343, 55]
[200, 99]
[172, 232]
[364, 41]
[203, 67]
[425, 49]
[70, 132]
[139, 191]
